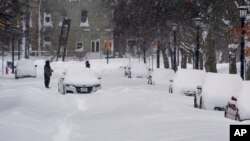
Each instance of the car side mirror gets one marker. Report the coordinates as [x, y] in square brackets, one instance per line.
[233, 98]
[99, 77]
[35, 65]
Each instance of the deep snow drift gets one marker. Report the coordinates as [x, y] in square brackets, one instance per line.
[123, 110]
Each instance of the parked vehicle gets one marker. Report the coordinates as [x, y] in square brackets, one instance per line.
[82, 80]
[25, 68]
[186, 81]
[214, 96]
[238, 107]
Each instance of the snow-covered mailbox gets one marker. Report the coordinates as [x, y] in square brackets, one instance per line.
[238, 108]
[187, 80]
[162, 76]
[25, 68]
[217, 89]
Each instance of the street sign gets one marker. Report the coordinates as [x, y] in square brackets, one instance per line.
[108, 44]
[247, 52]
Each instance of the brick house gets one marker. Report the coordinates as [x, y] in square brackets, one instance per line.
[90, 26]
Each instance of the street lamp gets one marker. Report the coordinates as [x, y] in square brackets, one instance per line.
[243, 13]
[175, 29]
[197, 52]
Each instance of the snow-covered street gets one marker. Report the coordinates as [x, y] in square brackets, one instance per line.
[123, 110]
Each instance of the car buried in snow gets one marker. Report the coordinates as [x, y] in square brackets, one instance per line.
[214, 96]
[238, 108]
[25, 68]
[79, 80]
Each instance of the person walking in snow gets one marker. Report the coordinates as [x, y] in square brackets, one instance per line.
[47, 73]
[87, 64]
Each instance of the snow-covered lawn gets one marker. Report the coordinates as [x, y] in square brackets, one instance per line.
[123, 110]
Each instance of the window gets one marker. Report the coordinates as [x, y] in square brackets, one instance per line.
[46, 41]
[84, 16]
[95, 46]
[84, 19]
[47, 19]
[79, 47]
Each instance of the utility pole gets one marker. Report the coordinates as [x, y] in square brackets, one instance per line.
[158, 56]
[13, 54]
[174, 64]
[243, 13]
[27, 28]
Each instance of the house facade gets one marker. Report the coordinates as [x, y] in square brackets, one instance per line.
[89, 28]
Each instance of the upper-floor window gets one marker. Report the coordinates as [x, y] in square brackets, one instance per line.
[79, 47]
[84, 18]
[47, 19]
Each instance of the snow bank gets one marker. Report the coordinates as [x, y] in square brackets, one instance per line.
[244, 101]
[219, 88]
[188, 80]
[30, 114]
[162, 76]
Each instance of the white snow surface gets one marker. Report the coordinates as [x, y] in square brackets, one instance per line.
[219, 88]
[188, 79]
[123, 110]
[243, 101]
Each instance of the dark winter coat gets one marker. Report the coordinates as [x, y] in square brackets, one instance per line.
[87, 64]
[47, 70]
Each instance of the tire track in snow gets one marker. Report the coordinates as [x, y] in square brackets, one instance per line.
[63, 130]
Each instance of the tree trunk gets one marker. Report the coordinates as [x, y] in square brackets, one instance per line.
[190, 59]
[209, 50]
[232, 62]
[248, 69]
[201, 66]
[184, 57]
[165, 58]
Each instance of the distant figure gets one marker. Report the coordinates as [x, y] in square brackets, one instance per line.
[47, 73]
[87, 64]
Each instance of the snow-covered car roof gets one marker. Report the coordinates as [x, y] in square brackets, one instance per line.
[244, 101]
[139, 69]
[25, 67]
[188, 79]
[80, 76]
[162, 76]
[219, 88]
